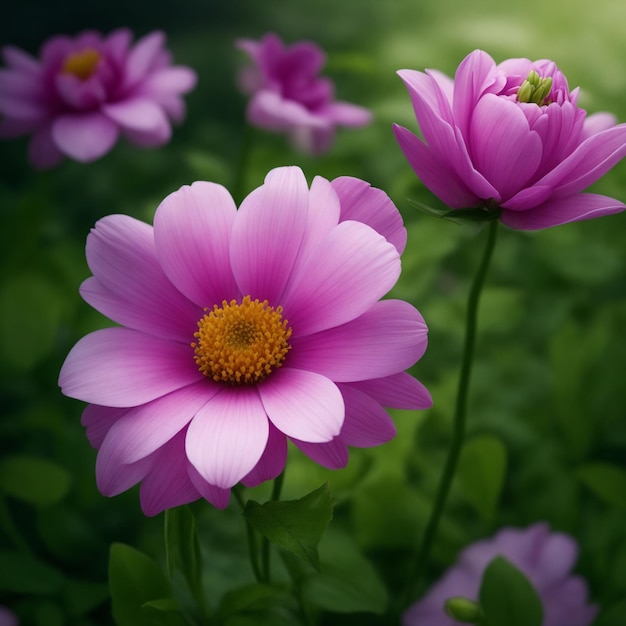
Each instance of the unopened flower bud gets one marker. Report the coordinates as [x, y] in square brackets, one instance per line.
[464, 610]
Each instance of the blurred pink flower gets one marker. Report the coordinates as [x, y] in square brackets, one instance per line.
[7, 617]
[510, 137]
[241, 329]
[287, 95]
[83, 92]
[546, 559]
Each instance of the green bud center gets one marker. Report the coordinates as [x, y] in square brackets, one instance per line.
[535, 89]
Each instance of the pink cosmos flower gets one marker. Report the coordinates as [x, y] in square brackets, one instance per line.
[287, 95]
[241, 329]
[510, 137]
[83, 92]
[546, 559]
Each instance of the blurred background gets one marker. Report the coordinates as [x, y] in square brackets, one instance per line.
[547, 419]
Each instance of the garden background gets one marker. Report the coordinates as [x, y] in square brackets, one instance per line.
[547, 414]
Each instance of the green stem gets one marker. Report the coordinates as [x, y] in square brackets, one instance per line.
[458, 435]
[252, 545]
[265, 545]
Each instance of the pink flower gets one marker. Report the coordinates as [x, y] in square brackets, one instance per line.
[7, 617]
[241, 329]
[545, 558]
[510, 137]
[288, 95]
[83, 92]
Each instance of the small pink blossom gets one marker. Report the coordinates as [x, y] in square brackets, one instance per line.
[240, 330]
[287, 95]
[83, 92]
[7, 617]
[545, 558]
[510, 137]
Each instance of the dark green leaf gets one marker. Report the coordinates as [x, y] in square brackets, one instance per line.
[33, 480]
[21, 573]
[249, 598]
[182, 549]
[134, 580]
[507, 597]
[294, 525]
[607, 481]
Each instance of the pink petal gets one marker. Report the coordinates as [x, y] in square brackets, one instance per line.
[312, 139]
[117, 45]
[272, 461]
[120, 367]
[113, 478]
[267, 234]
[267, 109]
[42, 151]
[434, 173]
[367, 424]
[346, 114]
[129, 285]
[332, 454]
[84, 136]
[19, 84]
[169, 80]
[98, 420]
[21, 61]
[398, 391]
[351, 270]
[192, 231]
[504, 149]
[597, 123]
[364, 203]
[145, 428]
[168, 484]
[582, 206]
[227, 437]
[141, 58]
[303, 405]
[137, 114]
[22, 109]
[215, 495]
[385, 340]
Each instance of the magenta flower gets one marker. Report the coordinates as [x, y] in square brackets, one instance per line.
[83, 92]
[288, 96]
[546, 558]
[510, 137]
[241, 329]
[7, 617]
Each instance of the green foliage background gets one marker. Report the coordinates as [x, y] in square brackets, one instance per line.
[547, 415]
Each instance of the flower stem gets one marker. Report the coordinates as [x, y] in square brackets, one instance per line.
[265, 546]
[253, 550]
[459, 425]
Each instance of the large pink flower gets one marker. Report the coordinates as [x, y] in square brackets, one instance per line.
[287, 95]
[83, 92]
[510, 137]
[546, 558]
[241, 329]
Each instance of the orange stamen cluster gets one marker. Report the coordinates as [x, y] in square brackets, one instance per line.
[82, 64]
[241, 343]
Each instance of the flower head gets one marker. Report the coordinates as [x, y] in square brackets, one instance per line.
[241, 329]
[510, 137]
[546, 558]
[84, 91]
[7, 617]
[287, 95]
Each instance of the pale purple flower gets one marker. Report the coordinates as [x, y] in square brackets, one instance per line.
[83, 92]
[241, 329]
[546, 558]
[287, 95]
[510, 137]
[7, 617]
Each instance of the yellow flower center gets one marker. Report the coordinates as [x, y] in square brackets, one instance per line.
[82, 64]
[241, 343]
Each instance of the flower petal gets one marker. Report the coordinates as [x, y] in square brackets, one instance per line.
[141, 58]
[385, 340]
[98, 420]
[267, 109]
[345, 276]
[113, 478]
[192, 231]
[84, 136]
[272, 461]
[582, 206]
[303, 405]
[137, 114]
[227, 437]
[119, 367]
[363, 203]
[367, 424]
[398, 391]
[215, 495]
[267, 234]
[332, 454]
[346, 114]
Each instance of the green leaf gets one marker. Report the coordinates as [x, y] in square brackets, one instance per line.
[507, 597]
[82, 596]
[481, 472]
[182, 549]
[294, 525]
[163, 612]
[33, 480]
[22, 573]
[607, 481]
[249, 598]
[134, 580]
[348, 582]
